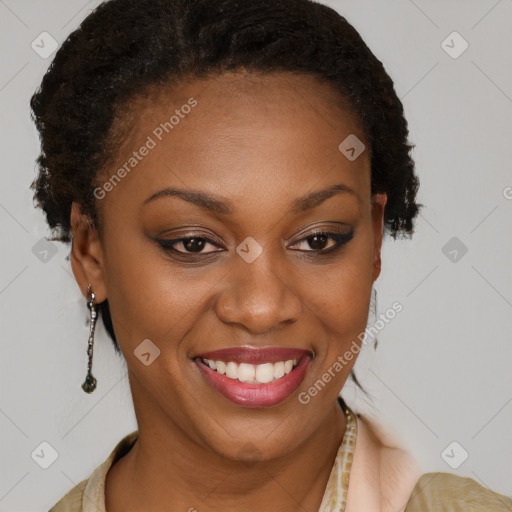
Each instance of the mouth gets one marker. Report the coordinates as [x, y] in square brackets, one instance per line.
[255, 377]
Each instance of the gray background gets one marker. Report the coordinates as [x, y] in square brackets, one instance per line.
[441, 373]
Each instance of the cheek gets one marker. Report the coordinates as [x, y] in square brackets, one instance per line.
[152, 298]
[343, 298]
[345, 303]
[349, 299]
[341, 326]
[342, 311]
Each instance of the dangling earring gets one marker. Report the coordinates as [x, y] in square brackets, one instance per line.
[373, 308]
[90, 382]
[373, 300]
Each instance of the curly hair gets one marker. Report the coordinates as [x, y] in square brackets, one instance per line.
[125, 47]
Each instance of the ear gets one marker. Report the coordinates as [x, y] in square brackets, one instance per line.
[87, 255]
[378, 203]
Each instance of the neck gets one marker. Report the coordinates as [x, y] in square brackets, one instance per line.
[193, 479]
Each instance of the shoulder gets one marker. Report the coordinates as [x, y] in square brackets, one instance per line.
[72, 501]
[93, 488]
[444, 492]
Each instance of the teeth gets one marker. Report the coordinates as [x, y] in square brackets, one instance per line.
[259, 373]
[221, 367]
[232, 370]
[265, 372]
[245, 373]
[278, 370]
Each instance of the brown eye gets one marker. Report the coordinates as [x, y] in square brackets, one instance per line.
[318, 241]
[191, 245]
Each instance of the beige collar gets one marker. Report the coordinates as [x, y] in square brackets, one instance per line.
[382, 478]
[379, 478]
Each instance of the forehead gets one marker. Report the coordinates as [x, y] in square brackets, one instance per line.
[240, 135]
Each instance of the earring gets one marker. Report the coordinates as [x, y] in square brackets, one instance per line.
[374, 312]
[90, 382]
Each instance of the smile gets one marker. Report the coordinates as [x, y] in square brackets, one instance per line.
[261, 373]
[255, 377]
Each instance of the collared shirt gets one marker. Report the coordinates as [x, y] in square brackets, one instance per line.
[366, 475]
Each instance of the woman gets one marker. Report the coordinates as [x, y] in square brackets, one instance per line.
[226, 172]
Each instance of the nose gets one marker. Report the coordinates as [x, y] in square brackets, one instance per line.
[259, 296]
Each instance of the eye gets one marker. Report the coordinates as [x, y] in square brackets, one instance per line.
[192, 245]
[319, 241]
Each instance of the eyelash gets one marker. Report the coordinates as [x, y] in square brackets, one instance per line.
[340, 240]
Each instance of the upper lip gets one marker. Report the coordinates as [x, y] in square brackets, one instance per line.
[255, 356]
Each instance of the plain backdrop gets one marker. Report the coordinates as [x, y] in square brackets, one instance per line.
[440, 379]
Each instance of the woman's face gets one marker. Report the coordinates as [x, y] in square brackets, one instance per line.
[257, 162]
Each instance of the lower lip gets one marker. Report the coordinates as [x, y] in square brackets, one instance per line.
[256, 395]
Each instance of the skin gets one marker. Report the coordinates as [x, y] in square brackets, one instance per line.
[259, 141]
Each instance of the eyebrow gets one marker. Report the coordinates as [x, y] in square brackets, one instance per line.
[220, 205]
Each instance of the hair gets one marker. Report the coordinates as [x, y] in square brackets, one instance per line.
[125, 48]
